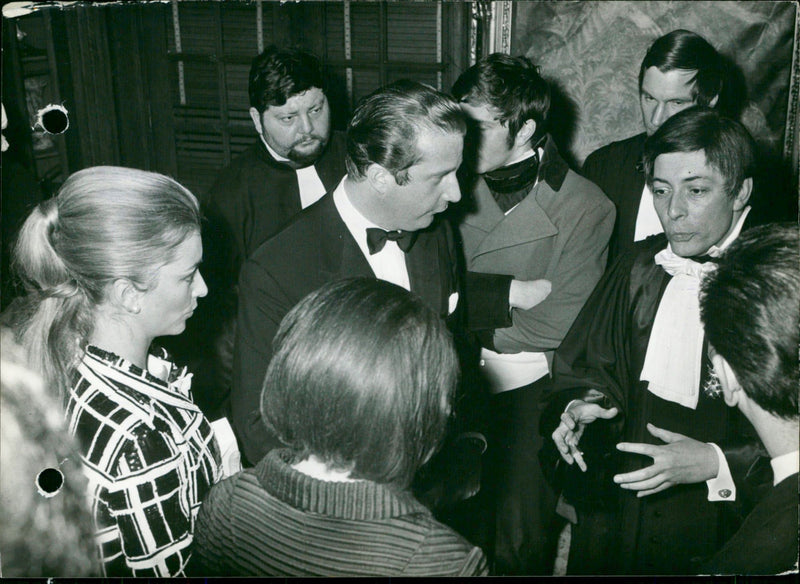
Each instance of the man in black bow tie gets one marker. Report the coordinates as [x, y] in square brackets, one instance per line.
[633, 371]
[404, 145]
[525, 213]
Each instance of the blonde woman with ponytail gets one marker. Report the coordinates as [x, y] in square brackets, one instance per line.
[109, 264]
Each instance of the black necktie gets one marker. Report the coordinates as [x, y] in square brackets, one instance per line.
[376, 239]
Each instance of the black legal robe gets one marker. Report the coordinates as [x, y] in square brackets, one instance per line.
[618, 533]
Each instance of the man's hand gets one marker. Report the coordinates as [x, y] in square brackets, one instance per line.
[682, 460]
[569, 431]
[525, 294]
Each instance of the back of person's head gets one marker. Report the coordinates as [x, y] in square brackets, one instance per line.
[47, 529]
[362, 377]
[386, 126]
[684, 50]
[750, 307]
[104, 224]
[510, 85]
[727, 145]
[278, 74]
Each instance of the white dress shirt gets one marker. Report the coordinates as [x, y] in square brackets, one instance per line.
[647, 221]
[785, 466]
[389, 264]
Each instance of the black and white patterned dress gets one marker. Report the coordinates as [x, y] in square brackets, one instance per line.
[150, 456]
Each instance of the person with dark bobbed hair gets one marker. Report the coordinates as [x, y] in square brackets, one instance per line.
[727, 145]
[750, 307]
[109, 264]
[679, 70]
[359, 390]
[663, 460]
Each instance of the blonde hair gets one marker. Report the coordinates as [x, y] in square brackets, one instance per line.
[105, 223]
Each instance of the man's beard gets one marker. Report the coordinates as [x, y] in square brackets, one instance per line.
[307, 158]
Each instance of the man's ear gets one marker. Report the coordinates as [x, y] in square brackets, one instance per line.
[743, 195]
[379, 178]
[713, 102]
[731, 389]
[256, 117]
[525, 133]
[126, 296]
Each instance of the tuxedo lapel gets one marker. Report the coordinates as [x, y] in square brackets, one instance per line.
[339, 254]
[428, 265]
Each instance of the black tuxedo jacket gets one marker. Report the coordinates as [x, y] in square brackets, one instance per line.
[766, 543]
[616, 168]
[314, 248]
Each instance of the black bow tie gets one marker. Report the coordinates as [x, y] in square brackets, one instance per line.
[376, 239]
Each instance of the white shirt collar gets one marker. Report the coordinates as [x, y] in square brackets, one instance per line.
[527, 154]
[647, 221]
[716, 250]
[308, 182]
[352, 217]
[388, 264]
[785, 466]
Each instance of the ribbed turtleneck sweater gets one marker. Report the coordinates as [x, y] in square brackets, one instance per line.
[273, 520]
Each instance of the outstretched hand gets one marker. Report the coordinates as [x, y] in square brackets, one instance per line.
[682, 460]
[573, 422]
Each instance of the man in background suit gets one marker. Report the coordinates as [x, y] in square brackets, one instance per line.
[750, 308]
[525, 214]
[295, 160]
[679, 70]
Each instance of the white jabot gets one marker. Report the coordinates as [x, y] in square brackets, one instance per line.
[673, 362]
[308, 181]
[785, 466]
[647, 221]
[388, 264]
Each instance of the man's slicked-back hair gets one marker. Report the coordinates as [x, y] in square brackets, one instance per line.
[750, 307]
[278, 74]
[362, 377]
[727, 145]
[386, 126]
[512, 86]
[685, 50]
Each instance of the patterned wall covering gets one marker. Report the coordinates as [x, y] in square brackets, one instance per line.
[593, 51]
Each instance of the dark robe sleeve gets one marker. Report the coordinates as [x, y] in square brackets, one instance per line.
[487, 301]
[595, 353]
